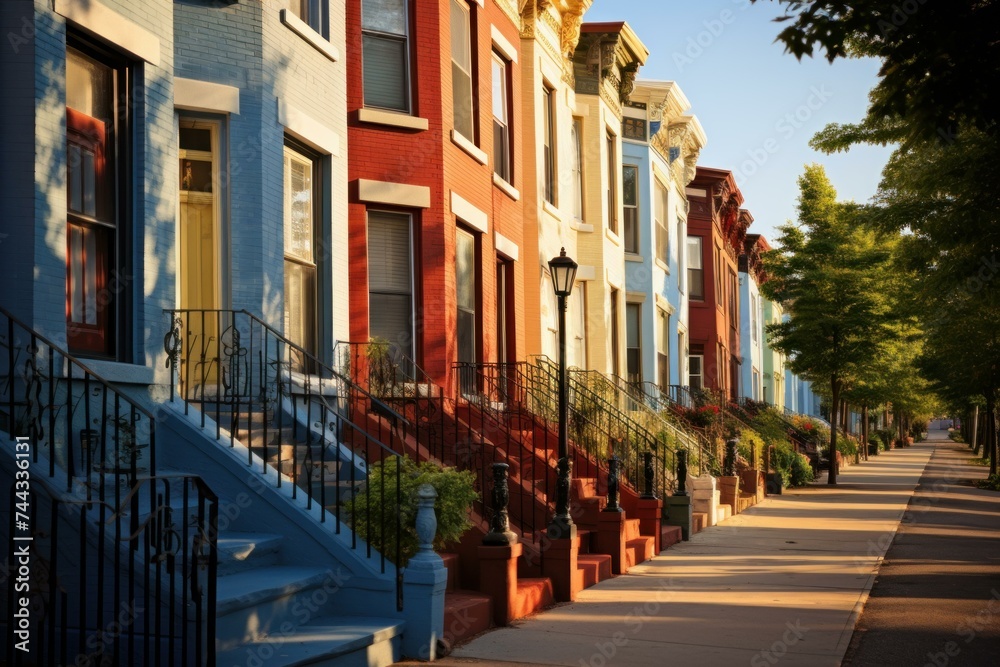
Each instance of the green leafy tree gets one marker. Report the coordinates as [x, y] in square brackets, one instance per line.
[828, 273]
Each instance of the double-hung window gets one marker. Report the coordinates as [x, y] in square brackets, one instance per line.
[502, 147]
[548, 142]
[696, 271]
[385, 54]
[467, 298]
[461, 69]
[660, 215]
[390, 279]
[302, 216]
[611, 148]
[663, 349]
[576, 145]
[696, 376]
[95, 143]
[633, 343]
[630, 207]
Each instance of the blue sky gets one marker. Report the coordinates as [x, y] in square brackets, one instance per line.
[759, 106]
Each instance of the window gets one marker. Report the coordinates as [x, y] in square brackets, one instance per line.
[612, 184]
[461, 68]
[390, 279]
[95, 218]
[753, 319]
[696, 375]
[502, 147]
[615, 344]
[385, 54]
[466, 285]
[311, 13]
[696, 274]
[755, 389]
[633, 343]
[576, 139]
[719, 293]
[301, 218]
[663, 349]
[634, 128]
[578, 354]
[682, 263]
[734, 313]
[549, 154]
[630, 207]
[660, 215]
[682, 354]
[505, 310]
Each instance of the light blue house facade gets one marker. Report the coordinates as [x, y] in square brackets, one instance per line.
[751, 319]
[660, 147]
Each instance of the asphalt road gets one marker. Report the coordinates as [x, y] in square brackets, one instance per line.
[936, 600]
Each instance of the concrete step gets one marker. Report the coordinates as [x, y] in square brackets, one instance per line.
[533, 595]
[334, 641]
[670, 535]
[258, 602]
[639, 550]
[595, 568]
[723, 512]
[466, 614]
[246, 551]
[699, 521]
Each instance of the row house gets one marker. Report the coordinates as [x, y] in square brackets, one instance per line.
[716, 232]
[605, 64]
[773, 390]
[660, 147]
[434, 107]
[752, 317]
[179, 216]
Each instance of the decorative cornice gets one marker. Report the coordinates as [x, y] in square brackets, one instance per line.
[510, 8]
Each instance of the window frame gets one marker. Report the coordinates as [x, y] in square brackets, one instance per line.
[407, 60]
[476, 310]
[549, 148]
[316, 14]
[407, 218]
[700, 374]
[663, 349]
[110, 336]
[699, 271]
[502, 128]
[630, 228]
[468, 12]
[660, 204]
[303, 265]
[611, 146]
[633, 354]
[579, 200]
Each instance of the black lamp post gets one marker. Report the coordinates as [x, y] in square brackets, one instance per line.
[563, 270]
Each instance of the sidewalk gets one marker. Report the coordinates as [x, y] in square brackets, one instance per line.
[788, 577]
[936, 599]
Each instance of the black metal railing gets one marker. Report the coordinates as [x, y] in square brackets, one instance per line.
[303, 424]
[132, 584]
[443, 426]
[99, 524]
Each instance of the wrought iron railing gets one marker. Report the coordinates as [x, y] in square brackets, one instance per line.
[96, 522]
[303, 424]
[443, 428]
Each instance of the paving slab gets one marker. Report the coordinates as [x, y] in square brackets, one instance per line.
[786, 578]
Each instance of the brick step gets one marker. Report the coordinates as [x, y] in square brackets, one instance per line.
[533, 595]
[699, 520]
[670, 535]
[466, 614]
[595, 568]
[639, 550]
[451, 564]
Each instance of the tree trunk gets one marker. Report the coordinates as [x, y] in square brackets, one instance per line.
[975, 430]
[864, 430]
[992, 442]
[831, 478]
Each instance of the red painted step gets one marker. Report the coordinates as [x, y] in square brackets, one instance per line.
[466, 614]
[638, 550]
[533, 595]
[595, 567]
[670, 535]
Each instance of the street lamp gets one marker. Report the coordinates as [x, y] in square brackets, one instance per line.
[563, 271]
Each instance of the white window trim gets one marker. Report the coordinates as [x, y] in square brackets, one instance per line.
[306, 32]
[501, 44]
[111, 26]
[307, 129]
[468, 213]
[195, 95]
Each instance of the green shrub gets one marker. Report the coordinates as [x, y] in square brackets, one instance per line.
[372, 513]
[793, 467]
[801, 473]
[992, 483]
[956, 436]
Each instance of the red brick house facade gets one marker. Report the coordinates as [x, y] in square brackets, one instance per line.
[716, 232]
[434, 146]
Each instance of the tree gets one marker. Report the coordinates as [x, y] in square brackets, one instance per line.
[827, 272]
[935, 54]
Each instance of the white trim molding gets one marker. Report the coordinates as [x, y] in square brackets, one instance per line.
[306, 128]
[313, 38]
[503, 45]
[111, 26]
[465, 211]
[505, 246]
[397, 194]
[206, 96]
[584, 272]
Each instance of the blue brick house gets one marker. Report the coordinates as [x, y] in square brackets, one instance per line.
[174, 270]
[660, 146]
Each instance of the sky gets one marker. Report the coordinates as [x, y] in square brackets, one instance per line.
[759, 106]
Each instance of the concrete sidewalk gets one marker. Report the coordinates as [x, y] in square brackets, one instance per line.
[787, 578]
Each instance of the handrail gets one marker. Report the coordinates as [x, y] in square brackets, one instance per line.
[298, 417]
